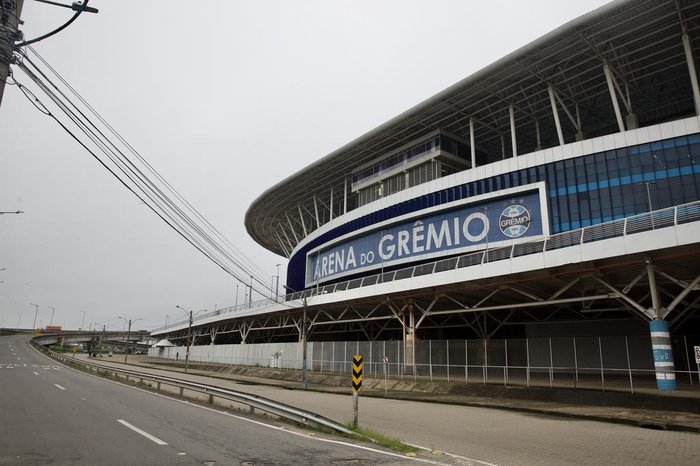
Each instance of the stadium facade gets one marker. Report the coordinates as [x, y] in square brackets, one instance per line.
[554, 192]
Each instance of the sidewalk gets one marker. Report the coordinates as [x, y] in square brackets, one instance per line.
[312, 399]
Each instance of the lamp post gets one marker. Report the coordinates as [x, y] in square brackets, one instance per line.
[53, 309]
[36, 312]
[82, 327]
[189, 334]
[128, 335]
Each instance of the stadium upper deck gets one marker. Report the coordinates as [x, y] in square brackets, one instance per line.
[513, 201]
[627, 65]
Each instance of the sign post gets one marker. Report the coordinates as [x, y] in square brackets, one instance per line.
[386, 364]
[697, 359]
[357, 375]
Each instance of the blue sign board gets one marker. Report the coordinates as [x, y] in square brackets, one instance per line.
[468, 227]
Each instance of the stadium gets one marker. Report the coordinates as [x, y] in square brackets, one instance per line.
[540, 213]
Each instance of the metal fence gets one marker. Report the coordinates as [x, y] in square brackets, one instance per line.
[615, 363]
[600, 363]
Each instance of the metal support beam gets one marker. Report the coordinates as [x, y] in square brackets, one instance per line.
[681, 296]
[626, 298]
[292, 227]
[691, 70]
[513, 139]
[555, 114]
[472, 142]
[301, 220]
[318, 219]
[345, 195]
[655, 300]
[613, 95]
[331, 205]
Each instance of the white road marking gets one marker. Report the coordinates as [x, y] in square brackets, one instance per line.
[142, 432]
[271, 426]
[59, 386]
[35, 373]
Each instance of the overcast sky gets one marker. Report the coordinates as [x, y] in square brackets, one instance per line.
[224, 99]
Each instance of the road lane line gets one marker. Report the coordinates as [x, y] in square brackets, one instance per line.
[142, 432]
[263, 424]
[35, 373]
[59, 386]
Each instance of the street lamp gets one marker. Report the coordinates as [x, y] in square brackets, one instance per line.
[36, 312]
[82, 327]
[189, 334]
[128, 335]
[53, 309]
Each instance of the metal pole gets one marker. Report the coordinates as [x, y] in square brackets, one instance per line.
[575, 364]
[304, 381]
[126, 350]
[53, 309]
[82, 327]
[36, 312]
[629, 366]
[189, 342]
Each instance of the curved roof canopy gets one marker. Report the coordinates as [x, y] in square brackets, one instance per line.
[639, 41]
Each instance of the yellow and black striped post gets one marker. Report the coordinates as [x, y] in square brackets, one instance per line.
[357, 375]
[357, 366]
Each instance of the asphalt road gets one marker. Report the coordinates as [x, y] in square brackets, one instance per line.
[50, 414]
[485, 435]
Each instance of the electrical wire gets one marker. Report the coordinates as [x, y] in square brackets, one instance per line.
[249, 265]
[133, 178]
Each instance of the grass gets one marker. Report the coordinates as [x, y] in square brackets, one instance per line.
[382, 439]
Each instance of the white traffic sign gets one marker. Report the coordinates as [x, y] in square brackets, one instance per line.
[697, 354]
[386, 358]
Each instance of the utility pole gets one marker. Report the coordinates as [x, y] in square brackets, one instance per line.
[53, 309]
[82, 327]
[10, 11]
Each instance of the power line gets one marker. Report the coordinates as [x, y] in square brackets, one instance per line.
[197, 231]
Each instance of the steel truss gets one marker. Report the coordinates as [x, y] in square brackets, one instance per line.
[633, 288]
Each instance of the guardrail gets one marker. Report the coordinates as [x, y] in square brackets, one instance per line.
[254, 402]
[648, 221]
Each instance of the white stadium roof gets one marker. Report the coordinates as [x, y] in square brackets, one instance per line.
[640, 41]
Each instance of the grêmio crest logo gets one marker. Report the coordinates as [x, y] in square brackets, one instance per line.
[514, 221]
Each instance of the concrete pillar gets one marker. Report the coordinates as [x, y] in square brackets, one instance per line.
[663, 355]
